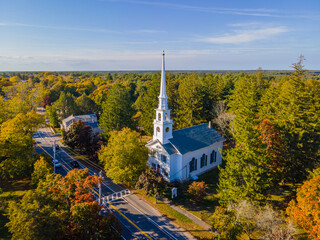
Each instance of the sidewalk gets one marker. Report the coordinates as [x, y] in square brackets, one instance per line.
[187, 214]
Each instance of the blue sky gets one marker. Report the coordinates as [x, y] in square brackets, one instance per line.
[71, 35]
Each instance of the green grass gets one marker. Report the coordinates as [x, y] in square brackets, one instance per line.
[12, 191]
[205, 208]
[177, 217]
[57, 130]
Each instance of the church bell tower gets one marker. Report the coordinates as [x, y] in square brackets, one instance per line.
[162, 124]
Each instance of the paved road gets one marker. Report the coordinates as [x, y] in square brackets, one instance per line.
[139, 219]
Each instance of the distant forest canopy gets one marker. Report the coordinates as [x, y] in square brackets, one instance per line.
[28, 74]
[193, 96]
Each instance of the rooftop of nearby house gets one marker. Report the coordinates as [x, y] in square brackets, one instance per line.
[85, 118]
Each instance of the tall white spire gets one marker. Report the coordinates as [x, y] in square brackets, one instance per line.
[162, 124]
[163, 92]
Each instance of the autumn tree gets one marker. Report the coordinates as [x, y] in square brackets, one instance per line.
[305, 210]
[224, 220]
[46, 101]
[62, 208]
[248, 218]
[16, 145]
[124, 157]
[152, 182]
[197, 190]
[41, 169]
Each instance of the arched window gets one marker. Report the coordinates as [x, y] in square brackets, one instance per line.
[193, 165]
[159, 116]
[213, 156]
[166, 116]
[203, 162]
[163, 158]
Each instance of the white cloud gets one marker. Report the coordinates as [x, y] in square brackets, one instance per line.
[257, 12]
[244, 36]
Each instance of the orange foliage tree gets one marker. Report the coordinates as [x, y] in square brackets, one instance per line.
[62, 208]
[197, 190]
[306, 210]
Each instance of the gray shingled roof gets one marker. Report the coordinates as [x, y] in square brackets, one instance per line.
[194, 138]
[169, 148]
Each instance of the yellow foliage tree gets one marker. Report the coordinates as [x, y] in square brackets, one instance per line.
[125, 157]
[305, 211]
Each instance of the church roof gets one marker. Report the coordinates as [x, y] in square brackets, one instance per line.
[169, 148]
[194, 138]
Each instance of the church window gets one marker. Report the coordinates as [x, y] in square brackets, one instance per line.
[153, 153]
[167, 129]
[193, 165]
[213, 156]
[167, 117]
[164, 172]
[159, 116]
[203, 161]
[163, 158]
[158, 129]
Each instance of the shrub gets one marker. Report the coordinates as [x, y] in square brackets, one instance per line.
[197, 190]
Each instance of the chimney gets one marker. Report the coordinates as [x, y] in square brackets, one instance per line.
[209, 125]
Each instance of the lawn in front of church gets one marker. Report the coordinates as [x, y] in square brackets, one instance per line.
[206, 207]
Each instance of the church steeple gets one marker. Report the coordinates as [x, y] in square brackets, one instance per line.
[163, 92]
[162, 123]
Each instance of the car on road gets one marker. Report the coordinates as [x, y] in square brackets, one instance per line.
[75, 164]
[56, 163]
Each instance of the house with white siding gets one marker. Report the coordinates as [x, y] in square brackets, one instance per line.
[88, 119]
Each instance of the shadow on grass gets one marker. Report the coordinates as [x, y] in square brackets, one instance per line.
[206, 207]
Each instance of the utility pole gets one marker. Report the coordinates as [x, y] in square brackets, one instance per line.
[100, 175]
[54, 157]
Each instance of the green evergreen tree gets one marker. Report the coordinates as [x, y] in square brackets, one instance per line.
[52, 115]
[146, 103]
[246, 174]
[66, 105]
[190, 102]
[117, 110]
[293, 106]
[85, 105]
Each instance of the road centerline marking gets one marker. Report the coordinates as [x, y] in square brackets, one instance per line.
[143, 232]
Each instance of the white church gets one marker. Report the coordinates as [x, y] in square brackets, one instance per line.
[182, 154]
